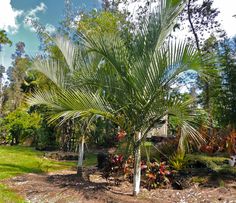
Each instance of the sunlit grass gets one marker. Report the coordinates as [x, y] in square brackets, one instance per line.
[19, 160]
[8, 196]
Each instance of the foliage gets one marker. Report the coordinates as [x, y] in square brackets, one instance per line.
[221, 140]
[20, 125]
[168, 148]
[217, 165]
[124, 80]
[231, 142]
[226, 99]
[13, 94]
[114, 166]
[104, 134]
[177, 161]
[154, 174]
[4, 39]
[104, 22]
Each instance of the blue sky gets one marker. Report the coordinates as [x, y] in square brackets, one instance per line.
[14, 15]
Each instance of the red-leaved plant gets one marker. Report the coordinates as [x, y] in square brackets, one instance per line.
[154, 174]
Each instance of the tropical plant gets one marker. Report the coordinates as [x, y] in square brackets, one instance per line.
[156, 175]
[128, 84]
[20, 125]
[177, 161]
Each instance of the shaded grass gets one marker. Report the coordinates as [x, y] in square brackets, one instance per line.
[90, 159]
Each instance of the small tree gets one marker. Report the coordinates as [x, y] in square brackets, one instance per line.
[128, 83]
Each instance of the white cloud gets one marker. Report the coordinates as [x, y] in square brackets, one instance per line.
[31, 16]
[40, 8]
[8, 17]
[227, 10]
[50, 28]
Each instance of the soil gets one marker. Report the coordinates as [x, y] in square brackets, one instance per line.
[67, 187]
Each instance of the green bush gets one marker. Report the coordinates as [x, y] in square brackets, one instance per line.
[20, 125]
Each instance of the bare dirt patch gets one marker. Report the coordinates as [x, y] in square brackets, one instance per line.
[66, 186]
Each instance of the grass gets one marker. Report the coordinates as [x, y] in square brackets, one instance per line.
[7, 195]
[90, 159]
[20, 160]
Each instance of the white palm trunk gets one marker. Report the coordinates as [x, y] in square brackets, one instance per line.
[137, 166]
[81, 157]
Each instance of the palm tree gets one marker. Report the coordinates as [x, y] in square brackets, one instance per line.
[126, 82]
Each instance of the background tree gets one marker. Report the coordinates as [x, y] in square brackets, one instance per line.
[3, 40]
[16, 75]
[201, 19]
[226, 99]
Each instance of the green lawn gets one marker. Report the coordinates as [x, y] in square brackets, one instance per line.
[19, 160]
[8, 196]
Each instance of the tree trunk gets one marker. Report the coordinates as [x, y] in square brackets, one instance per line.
[81, 157]
[137, 165]
[192, 27]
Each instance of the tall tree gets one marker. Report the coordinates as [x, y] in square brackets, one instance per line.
[202, 23]
[201, 19]
[227, 102]
[3, 40]
[16, 75]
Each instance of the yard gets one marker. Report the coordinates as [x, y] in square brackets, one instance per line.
[27, 176]
[99, 103]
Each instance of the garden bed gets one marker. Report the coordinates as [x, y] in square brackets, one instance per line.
[66, 186]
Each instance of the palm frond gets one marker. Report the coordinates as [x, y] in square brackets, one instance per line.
[174, 58]
[41, 97]
[70, 104]
[157, 26]
[188, 132]
[185, 119]
[52, 69]
[69, 51]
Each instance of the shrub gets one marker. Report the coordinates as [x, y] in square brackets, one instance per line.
[154, 174]
[231, 142]
[20, 125]
[177, 161]
[114, 166]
